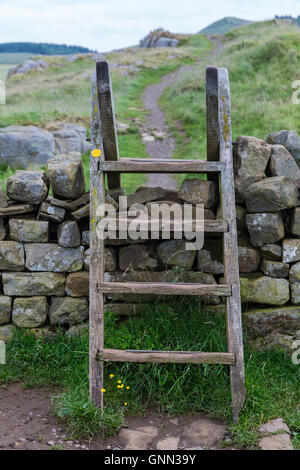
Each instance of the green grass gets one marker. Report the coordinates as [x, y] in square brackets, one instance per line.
[272, 381]
[224, 25]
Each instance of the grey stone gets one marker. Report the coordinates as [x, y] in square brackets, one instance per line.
[27, 186]
[77, 284]
[23, 146]
[68, 310]
[29, 284]
[271, 251]
[3, 199]
[30, 312]
[248, 255]
[71, 138]
[110, 259]
[265, 228]
[53, 213]
[293, 146]
[85, 238]
[260, 289]
[68, 234]
[251, 156]
[282, 163]
[174, 253]
[5, 309]
[295, 293]
[274, 268]
[168, 443]
[196, 191]
[207, 264]
[81, 213]
[138, 439]
[271, 195]
[146, 195]
[240, 218]
[273, 340]
[264, 320]
[78, 330]
[28, 66]
[275, 425]
[278, 138]
[276, 442]
[290, 250]
[66, 176]
[2, 230]
[53, 258]
[295, 273]
[11, 256]
[28, 230]
[136, 257]
[6, 332]
[295, 221]
[204, 431]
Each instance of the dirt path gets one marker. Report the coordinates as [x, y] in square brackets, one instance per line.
[164, 145]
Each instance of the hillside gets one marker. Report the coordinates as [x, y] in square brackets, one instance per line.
[224, 25]
[41, 48]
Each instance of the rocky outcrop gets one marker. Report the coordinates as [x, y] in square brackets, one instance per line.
[159, 38]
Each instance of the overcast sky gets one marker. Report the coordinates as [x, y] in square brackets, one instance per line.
[110, 24]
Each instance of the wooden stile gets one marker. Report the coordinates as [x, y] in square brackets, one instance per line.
[219, 167]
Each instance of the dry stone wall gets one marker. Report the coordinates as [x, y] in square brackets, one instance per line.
[45, 255]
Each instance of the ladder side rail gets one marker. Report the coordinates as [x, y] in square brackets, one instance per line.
[231, 267]
[108, 122]
[96, 306]
[212, 120]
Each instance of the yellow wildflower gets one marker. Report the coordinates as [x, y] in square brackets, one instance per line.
[103, 390]
[127, 388]
[111, 376]
[125, 404]
[119, 381]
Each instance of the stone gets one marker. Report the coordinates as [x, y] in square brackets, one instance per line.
[2, 230]
[240, 218]
[110, 259]
[293, 146]
[196, 191]
[248, 255]
[146, 195]
[264, 320]
[28, 230]
[174, 253]
[5, 309]
[125, 309]
[81, 213]
[295, 273]
[85, 238]
[295, 221]
[138, 439]
[69, 205]
[68, 234]
[282, 163]
[29, 284]
[274, 425]
[77, 284]
[66, 176]
[3, 199]
[271, 251]
[30, 312]
[21, 146]
[27, 186]
[295, 293]
[28, 66]
[260, 289]
[11, 256]
[276, 442]
[16, 209]
[53, 258]
[278, 138]
[7, 332]
[208, 264]
[250, 159]
[271, 195]
[273, 340]
[204, 432]
[68, 310]
[53, 213]
[275, 268]
[168, 443]
[78, 330]
[265, 228]
[290, 250]
[136, 257]
[70, 138]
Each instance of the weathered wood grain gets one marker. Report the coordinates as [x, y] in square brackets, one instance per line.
[212, 119]
[127, 165]
[210, 226]
[179, 357]
[163, 288]
[231, 266]
[108, 123]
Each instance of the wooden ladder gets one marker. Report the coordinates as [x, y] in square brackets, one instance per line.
[219, 168]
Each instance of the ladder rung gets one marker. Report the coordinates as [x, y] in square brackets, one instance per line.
[219, 226]
[181, 357]
[134, 165]
[164, 288]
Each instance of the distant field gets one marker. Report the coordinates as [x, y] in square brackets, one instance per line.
[3, 70]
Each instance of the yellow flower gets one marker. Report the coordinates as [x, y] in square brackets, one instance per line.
[121, 386]
[125, 404]
[127, 388]
[111, 376]
[118, 386]
[119, 381]
[96, 153]
[103, 390]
